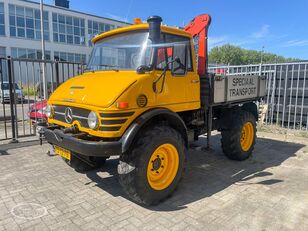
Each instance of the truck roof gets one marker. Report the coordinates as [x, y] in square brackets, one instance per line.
[144, 26]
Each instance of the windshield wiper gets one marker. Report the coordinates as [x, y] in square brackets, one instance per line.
[87, 69]
[103, 65]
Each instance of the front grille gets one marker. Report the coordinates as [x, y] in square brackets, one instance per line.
[109, 121]
[112, 122]
[110, 129]
[113, 115]
[79, 114]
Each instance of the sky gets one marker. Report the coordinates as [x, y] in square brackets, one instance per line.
[280, 26]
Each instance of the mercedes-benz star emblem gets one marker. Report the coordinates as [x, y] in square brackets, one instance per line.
[68, 115]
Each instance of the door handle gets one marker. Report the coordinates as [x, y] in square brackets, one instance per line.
[195, 81]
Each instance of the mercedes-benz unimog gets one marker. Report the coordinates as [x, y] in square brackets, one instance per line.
[145, 96]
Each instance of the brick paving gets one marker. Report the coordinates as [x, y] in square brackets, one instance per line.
[267, 192]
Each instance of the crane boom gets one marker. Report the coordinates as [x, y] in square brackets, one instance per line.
[198, 28]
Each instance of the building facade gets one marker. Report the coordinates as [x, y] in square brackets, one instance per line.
[67, 33]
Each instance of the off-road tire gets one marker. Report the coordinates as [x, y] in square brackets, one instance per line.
[230, 141]
[132, 168]
[81, 166]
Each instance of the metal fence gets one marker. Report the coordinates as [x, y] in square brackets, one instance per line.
[21, 92]
[286, 88]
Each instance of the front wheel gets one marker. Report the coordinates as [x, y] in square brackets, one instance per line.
[239, 138]
[152, 169]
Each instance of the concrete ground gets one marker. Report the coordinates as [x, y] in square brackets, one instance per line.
[267, 192]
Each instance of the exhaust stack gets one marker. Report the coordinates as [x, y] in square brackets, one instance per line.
[154, 28]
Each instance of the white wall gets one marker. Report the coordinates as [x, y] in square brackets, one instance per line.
[8, 42]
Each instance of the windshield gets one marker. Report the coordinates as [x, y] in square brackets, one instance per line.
[122, 52]
[6, 86]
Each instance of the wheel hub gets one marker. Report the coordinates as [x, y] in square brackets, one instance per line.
[163, 166]
[156, 163]
[247, 136]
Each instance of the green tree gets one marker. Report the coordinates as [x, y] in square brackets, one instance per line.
[235, 55]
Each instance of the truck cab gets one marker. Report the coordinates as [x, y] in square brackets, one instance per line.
[117, 86]
[144, 96]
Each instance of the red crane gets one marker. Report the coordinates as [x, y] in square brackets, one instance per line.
[198, 28]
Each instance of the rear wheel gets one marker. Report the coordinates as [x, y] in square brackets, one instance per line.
[152, 169]
[239, 138]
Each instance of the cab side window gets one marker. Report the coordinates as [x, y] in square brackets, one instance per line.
[161, 60]
[174, 47]
[180, 53]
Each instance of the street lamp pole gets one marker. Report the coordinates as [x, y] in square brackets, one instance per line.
[43, 51]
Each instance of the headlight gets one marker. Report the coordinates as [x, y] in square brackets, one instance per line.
[49, 111]
[92, 120]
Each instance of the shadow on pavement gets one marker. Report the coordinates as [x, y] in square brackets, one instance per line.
[209, 172]
[5, 147]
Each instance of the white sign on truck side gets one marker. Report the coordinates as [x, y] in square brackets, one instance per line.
[236, 87]
[242, 87]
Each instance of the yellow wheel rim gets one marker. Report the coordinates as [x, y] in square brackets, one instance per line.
[163, 166]
[247, 136]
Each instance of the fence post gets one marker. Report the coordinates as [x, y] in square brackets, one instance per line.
[12, 99]
[82, 68]
[260, 69]
[57, 72]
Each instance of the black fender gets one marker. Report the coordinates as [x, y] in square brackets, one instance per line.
[173, 119]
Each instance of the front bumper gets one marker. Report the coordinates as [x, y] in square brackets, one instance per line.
[82, 147]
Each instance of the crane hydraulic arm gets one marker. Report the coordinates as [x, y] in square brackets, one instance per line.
[198, 28]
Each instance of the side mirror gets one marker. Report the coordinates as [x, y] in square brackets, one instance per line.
[177, 59]
[178, 68]
[143, 69]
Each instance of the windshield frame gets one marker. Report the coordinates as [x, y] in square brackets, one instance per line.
[89, 67]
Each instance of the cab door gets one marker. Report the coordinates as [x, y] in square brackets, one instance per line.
[179, 89]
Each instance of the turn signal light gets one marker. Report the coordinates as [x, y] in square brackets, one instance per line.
[122, 105]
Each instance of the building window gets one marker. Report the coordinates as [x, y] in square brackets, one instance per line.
[95, 28]
[2, 52]
[26, 22]
[2, 27]
[24, 53]
[68, 29]
[70, 57]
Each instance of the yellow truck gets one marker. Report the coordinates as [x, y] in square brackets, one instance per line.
[145, 96]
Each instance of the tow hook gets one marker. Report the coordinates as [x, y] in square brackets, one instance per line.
[72, 129]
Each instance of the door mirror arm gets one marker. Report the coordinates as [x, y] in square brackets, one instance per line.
[181, 65]
[163, 76]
